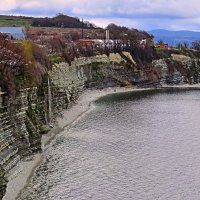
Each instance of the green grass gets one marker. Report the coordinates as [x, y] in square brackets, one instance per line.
[14, 22]
[56, 58]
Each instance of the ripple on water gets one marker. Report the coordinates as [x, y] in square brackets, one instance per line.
[132, 146]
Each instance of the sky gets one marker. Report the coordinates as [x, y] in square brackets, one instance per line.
[140, 14]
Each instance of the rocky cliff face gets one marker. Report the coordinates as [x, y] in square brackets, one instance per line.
[24, 119]
[177, 69]
[19, 136]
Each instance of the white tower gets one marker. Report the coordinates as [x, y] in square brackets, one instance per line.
[107, 35]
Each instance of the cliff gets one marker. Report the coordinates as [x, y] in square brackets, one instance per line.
[24, 119]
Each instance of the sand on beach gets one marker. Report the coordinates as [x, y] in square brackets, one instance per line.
[20, 176]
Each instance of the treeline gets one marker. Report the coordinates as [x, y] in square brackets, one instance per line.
[196, 45]
[125, 33]
[61, 21]
[10, 17]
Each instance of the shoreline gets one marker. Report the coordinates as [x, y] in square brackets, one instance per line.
[22, 176]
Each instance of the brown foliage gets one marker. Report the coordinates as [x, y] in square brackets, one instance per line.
[37, 63]
[21, 65]
[41, 57]
[11, 63]
[56, 44]
[124, 33]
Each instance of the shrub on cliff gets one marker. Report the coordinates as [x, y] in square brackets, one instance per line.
[12, 63]
[37, 62]
[21, 65]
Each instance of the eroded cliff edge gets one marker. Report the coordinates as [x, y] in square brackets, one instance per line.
[24, 119]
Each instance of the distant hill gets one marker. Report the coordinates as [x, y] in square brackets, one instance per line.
[175, 37]
[59, 21]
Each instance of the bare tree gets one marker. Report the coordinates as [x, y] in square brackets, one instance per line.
[196, 45]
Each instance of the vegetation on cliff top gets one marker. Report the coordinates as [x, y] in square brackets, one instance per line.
[21, 65]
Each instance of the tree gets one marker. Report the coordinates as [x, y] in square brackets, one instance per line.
[37, 63]
[196, 45]
[160, 42]
[182, 46]
[124, 33]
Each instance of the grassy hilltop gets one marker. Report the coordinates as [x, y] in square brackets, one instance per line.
[15, 21]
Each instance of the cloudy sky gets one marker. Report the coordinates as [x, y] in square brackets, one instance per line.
[141, 14]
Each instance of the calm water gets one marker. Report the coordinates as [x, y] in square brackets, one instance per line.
[131, 146]
[16, 32]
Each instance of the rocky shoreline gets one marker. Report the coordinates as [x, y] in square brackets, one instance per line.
[26, 168]
[21, 175]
